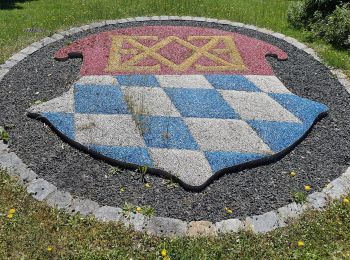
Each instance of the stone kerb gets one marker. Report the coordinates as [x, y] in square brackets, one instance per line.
[42, 190]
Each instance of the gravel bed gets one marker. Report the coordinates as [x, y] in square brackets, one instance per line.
[318, 159]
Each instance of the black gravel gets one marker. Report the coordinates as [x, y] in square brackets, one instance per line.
[321, 157]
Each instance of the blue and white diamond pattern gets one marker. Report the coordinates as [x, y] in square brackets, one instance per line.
[191, 126]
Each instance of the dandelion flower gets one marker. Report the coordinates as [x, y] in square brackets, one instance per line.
[10, 215]
[164, 253]
[12, 211]
[301, 243]
[228, 211]
[346, 200]
[307, 187]
[138, 209]
[293, 173]
[49, 248]
[147, 185]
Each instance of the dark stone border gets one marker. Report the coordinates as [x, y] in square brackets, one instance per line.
[45, 191]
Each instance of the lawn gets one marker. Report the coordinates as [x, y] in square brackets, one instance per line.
[25, 21]
[35, 231]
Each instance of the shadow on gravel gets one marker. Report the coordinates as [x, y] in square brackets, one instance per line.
[12, 4]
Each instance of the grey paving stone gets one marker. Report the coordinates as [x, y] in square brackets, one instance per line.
[3, 72]
[264, 30]
[166, 227]
[107, 213]
[130, 19]
[8, 64]
[84, 27]
[83, 206]
[173, 17]
[201, 228]
[60, 200]
[229, 225]
[187, 18]
[339, 73]
[98, 24]
[122, 21]
[47, 41]
[290, 211]
[296, 43]
[279, 35]
[317, 200]
[40, 189]
[164, 17]
[134, 220]
[57, 36]
[227, 22]
[75, 30]
[251, 27]
[263, 223]
[13, 164]
[109, 22]
[155, 18]
[199, 19]
[29, 50]
[37, 45]
[18, 57]
[211, 20]
[3, 147]
[337, 188]
[27, 176]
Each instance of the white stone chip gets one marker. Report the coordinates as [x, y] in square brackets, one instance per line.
[181, 81]
[111, 130]
[257, 106]
[150, 101]
[226, 135]
[269, 84]
[189, 166]
[62, 104]
[98, 80]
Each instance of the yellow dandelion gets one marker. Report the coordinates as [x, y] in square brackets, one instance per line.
[293, 173]
[122, 189]
[10, 215]
[147, 185]
[228, 211]
[307, 187]
[12, 211]
[49, 248]
[166, 258]
[301, 243]
[138, 209]
[346, 200]
[164, 253]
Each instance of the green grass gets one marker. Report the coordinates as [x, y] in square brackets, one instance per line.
[35, 227]
[51, 15]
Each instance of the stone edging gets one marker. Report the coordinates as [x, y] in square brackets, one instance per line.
[42, 190]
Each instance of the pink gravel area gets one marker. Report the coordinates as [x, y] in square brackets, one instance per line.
[95, 50]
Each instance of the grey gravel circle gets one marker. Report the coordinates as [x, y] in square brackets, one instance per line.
[321, 157]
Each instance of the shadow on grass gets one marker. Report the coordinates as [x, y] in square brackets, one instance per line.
[12, 4]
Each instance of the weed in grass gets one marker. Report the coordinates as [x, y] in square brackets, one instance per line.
[299, 197]
[143, 171]
[4, 136]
